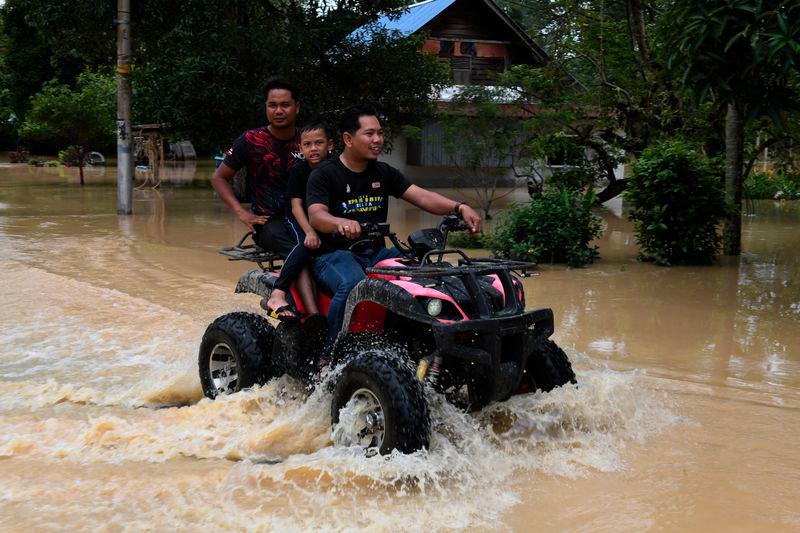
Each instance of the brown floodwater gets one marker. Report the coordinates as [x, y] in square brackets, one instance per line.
[685, 416]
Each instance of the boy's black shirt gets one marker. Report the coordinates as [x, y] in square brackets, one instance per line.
[296, 181]
[359, 196]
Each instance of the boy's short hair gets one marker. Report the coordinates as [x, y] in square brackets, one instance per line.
[350, 121]
[279, 83]
[317, 125]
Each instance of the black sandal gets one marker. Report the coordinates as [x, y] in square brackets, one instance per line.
[276, 313]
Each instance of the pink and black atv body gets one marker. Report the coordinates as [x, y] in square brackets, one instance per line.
[435, 318]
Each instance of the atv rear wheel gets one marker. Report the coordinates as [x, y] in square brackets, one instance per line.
[548, 367]
[386, 406]
[233, 354]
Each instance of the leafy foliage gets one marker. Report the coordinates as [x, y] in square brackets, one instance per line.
[745, 55]
[8, 131]
[557, 227]
[200, 65]
[677, 205]
[748, 50]
[772, 185]
[83, 115]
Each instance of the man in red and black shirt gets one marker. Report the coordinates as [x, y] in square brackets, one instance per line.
[267, 153]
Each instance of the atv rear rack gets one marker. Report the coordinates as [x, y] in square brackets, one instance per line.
[252, 253]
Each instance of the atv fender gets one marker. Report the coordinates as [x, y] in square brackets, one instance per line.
[369, 301]
[257, 282]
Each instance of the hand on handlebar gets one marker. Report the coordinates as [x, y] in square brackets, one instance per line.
[348, 228]
[471, 218]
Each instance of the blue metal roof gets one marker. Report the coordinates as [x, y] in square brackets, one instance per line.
[416, 16]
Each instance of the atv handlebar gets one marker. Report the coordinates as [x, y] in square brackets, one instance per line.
[373, 233]
[452, 222]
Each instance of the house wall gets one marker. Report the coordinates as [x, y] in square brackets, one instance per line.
[430, 176]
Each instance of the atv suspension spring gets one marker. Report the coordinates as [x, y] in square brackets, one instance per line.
[435, 368]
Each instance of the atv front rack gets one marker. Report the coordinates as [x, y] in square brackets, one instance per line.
[468, 270]
[479, 266]
[252, 253]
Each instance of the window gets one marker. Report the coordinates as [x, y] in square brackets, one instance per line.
[446, 48]
[467, 48]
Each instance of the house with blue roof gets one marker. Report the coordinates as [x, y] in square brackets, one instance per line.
[475, 37]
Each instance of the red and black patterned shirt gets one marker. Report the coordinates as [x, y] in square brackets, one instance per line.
[267, 160]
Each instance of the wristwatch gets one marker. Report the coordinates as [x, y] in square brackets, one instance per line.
[457, 207]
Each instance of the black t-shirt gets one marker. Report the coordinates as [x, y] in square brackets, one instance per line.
[359, 196]
[296, 181]
[267, 160]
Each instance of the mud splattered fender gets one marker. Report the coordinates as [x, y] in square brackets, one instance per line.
[384, 293]
[257, 282]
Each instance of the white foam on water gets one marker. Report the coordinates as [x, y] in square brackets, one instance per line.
[466, 478]
[65, 340]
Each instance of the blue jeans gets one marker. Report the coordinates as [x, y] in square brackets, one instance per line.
[340, 271]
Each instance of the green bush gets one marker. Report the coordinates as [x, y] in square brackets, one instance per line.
[467, 240]
[771, 185]
[69, 156]
[555, 227]
[677, 204]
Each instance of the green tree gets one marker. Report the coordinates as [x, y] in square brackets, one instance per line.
[8, 132]
[83, 115]
[200, 65]
[677, 205]
[743, 55]
[605, 88]
[206, 67]
[483, 143]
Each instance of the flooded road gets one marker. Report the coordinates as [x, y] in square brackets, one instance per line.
[685, 417]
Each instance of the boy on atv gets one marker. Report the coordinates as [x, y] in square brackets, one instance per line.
[351, 189]
[316, 143]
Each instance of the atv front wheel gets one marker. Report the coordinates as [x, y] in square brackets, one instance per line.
[548, 367]
[385, 404]
[233, 354]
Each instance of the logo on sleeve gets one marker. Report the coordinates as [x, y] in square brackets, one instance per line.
[376, 184]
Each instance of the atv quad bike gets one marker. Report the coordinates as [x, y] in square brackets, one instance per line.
[434, 317]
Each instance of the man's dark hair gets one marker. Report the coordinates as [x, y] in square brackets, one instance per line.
[280, 83]
[317, 125]
[350, 121]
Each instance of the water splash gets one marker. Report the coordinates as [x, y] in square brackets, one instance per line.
[84, 390]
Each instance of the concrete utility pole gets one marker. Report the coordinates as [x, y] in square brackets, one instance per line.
[124, 140]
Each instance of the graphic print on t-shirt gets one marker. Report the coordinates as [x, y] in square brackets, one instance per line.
[360, 196]
[267, 160]
[362, 204]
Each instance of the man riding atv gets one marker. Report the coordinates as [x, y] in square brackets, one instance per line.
[353, 189]
[422, 316]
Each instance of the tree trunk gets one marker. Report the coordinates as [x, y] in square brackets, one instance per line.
[734, 154]
[637, 27]
[81, 162]
[615, 188]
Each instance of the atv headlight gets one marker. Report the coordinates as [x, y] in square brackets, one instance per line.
[434, 307]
